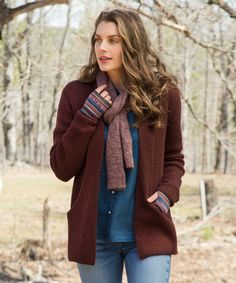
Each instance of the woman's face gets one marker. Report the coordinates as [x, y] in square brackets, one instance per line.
[108, 49]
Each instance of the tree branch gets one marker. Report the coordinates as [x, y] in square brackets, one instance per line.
[223, 5]
[173, 23]
[35, 5]
[164, 11]
[224, 79]
[210, 129]
[8, 14]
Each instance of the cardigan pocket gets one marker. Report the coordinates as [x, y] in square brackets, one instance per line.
[160, 213]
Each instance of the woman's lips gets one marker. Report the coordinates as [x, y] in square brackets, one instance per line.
[104, 60]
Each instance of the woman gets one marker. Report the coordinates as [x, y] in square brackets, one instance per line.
[118, 133]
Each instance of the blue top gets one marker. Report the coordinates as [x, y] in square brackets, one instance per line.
[115, 208]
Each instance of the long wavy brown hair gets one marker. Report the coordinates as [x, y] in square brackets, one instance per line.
[145, 77]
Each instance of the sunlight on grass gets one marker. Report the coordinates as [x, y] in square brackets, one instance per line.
[207, 233]
[22, 200]
[21, 207]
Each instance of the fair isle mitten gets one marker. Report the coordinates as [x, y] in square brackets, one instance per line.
[95, 105]
[162, 202]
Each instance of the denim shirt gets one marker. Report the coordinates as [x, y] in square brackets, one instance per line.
[115, 208]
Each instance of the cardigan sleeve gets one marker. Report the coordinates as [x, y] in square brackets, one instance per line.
[71, 137]
[173, 158]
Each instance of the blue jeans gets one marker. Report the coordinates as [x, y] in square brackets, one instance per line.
[110, 257]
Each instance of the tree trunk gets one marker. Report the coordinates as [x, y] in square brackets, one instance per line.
[40, 117]
[27, 105]
[8, 122]
[187, 92]
[205, 97]
[59, 73]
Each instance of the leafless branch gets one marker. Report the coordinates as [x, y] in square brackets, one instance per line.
[224, 80]
[8, 14]
[173, 23]
[59, 74]
[34, 5]
[169, 15]
[212, 130]
[223, 5]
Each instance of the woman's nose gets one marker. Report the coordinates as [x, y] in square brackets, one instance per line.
[103, 45]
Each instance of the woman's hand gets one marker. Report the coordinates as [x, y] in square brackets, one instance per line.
[161, 200]
[97, 102]
[101, 90]
[153, 197]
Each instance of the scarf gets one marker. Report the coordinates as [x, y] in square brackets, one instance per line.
[119, 150]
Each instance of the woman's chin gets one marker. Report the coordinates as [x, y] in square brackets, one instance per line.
[104, 68]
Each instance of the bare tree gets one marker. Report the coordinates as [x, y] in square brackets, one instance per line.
[223, 5]
[12, 50]
[190, 37]
[168, 14]
[58, 74]
[8, 14]
[8, 119]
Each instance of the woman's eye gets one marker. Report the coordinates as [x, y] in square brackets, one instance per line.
[114, 40]
[97, 40]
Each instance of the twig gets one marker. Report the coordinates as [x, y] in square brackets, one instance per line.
[212, 131]
[223, 5]
[173, 25]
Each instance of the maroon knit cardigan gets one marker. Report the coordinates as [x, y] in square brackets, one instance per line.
[78, 152]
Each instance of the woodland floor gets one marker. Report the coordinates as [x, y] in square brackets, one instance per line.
[206, 249]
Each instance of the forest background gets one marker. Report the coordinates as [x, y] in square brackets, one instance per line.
[43, 45]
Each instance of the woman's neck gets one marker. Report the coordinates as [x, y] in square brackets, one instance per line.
[115, 78]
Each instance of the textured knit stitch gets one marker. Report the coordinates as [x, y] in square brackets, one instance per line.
[116, 208]
[162, 204]
[164, 197]
[119, 152]
[95, 105]
[78, 150]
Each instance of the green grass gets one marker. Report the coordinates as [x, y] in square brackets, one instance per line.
[207, 233]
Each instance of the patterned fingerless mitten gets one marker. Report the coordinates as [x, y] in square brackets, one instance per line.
[95, 105]
[163, 202]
